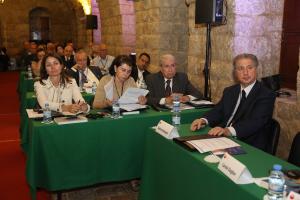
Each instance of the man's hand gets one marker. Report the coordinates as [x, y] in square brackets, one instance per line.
[184, 99]
[197, 124]
[219, 131]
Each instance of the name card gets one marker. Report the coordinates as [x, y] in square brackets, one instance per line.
[166, 130]
[235, 170]
[293, 196]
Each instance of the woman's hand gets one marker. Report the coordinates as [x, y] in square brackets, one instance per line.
[142, 100]
[73, 108]
[83, 106]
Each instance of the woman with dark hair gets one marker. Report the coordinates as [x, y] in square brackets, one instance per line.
[112, 86]
[57, 89]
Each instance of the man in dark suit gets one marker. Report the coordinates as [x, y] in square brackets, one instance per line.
[163, 84]
[245, 110]
[81, 72]
[139, 70]
[68, 58]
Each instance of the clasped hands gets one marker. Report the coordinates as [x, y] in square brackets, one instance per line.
[182, 98]
[75, 107]
[216, 131]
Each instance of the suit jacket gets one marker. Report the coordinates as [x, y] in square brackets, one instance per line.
[156, 86]
[253, 120]
[75, 74]
[135, 73]
[68, 63]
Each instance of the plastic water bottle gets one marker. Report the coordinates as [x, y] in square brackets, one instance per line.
[47, 114]
[94, 88]
[176, 111]
[115, 109]
[276, 183]
[29, 72]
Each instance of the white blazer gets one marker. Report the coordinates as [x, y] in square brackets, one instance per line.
[57, 96]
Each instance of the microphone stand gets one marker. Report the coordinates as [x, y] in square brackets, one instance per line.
[207, 89]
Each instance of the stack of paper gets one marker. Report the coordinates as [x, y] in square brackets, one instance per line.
[212, 144]
[70, 120]
[32, 114]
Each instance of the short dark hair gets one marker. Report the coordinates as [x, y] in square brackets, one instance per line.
[118, 61]
[145, 54]
[43, 72]
[245, 55]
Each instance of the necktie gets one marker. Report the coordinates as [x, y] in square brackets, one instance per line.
[168, 88]
[237, 113]
[83, 77]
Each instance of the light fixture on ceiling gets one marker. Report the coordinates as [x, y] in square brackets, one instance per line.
[1, 2]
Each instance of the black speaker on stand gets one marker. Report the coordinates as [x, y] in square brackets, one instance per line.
[91, 23]
[208, 12]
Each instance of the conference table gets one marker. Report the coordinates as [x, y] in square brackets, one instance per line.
[61, 157]
[29, 102]
[25, 85]
[170, 171]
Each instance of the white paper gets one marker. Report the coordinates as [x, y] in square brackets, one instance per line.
[212, 144]
[109, 89]
[183, 106]
[32, 114]
[202, 102]
[131, 107]
[131, 95]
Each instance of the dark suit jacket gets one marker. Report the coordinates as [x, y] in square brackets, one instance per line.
[70, 63]
[253, 119]
[135, 73]
[156, 86]
[96, 71]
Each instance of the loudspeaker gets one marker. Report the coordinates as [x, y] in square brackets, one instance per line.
[209, 11]
[91, 22]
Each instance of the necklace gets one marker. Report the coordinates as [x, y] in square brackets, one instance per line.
[117, 88]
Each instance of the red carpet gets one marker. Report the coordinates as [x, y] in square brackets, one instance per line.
[13, 184]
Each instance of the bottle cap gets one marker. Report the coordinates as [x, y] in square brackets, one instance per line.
[277, 167]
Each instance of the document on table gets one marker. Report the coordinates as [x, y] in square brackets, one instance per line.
[212, 144]
[131, 95]
[32, 114]
[132, 106]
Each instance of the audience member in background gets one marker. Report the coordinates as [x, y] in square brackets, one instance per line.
[68, 58]
[139, 71]
[111, 87]
[59, 50]
[80, 71]
[31, 56]
[36, 64]
[245, 109]
[93, 53]
[50, 48]
[4, 59]
[57, 89]
[102, 60]
[25, 51]
[163, 84]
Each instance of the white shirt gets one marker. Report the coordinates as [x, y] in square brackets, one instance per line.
[103, 64]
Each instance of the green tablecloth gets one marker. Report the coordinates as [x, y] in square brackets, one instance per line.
[29, 102]
[171, 172]
[25, 85]
[102, 150]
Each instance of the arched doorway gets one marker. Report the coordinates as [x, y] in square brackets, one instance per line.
[39, 22]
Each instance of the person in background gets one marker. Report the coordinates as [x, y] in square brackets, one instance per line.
[102, 60]
[57, 89]
[36, 64]
[163, 84]
[68, 58]
[50, 48]
[118, 81]
[59, 50]
[24, 52]
[31, 56]
[139, 71]
[245, 109]
[81, 71]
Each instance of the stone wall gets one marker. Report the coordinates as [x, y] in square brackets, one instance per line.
[14, 17]
[161, 27]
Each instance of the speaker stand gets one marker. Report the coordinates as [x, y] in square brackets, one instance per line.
[206, 70]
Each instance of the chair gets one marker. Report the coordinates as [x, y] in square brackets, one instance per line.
[274, 133]
[294, 156]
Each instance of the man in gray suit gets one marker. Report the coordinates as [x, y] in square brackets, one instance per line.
[163, 84]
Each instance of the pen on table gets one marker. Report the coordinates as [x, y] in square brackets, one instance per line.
[212, 153]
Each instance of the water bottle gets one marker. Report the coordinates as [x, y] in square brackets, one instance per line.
[115, 109]
[276, 183]
[29, 72]
[176, 111]
[94, 88]
[47, 114]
